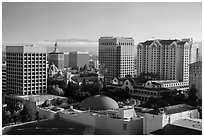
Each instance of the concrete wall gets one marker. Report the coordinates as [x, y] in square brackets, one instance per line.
[151, 123]
[136, 127]
[104, 124]
[82, 118]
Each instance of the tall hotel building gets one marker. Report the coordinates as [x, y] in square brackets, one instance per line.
[168, 58]
[26, 70]
[116, 56]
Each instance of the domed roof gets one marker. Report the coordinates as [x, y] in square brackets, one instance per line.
[99, 102]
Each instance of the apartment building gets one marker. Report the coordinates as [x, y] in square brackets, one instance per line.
[168, 58]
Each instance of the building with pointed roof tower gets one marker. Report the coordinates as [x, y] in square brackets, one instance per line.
[56, 57]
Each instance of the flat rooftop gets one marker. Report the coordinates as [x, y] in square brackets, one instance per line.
[56, 126]
[192, 123]
[172, 109]
[181, 127]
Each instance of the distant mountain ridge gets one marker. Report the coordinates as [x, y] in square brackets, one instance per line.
[72, 40]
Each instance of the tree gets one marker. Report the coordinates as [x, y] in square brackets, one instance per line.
[26, 114]
[46, 103]
[152, 102]
[192, 97]
[58, 101]
[162, 103]
[6, 117]
[55, 90]
[100, 85]
[37, 117]
[85, 68]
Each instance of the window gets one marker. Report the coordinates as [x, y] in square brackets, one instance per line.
[124, 126]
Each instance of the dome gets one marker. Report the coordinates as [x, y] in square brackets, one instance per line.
[99, 102]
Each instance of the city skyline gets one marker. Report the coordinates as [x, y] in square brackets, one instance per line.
[22, 22]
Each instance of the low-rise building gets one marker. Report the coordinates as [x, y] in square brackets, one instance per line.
[159, 118]
[154, 88]
[102, 113]
[184, 126]
[169, 84]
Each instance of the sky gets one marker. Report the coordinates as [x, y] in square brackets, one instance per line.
[38, 21]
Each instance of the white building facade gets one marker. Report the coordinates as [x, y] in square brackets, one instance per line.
[26, 70]
[168, 58]
[157, 119]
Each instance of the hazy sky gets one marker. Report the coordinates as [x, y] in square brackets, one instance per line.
[50, 21]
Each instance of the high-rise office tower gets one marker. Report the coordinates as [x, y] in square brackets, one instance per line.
[167, 58]
[116, 56]
[57, 58]
[195, 77]
[26, 70]
[78, 59]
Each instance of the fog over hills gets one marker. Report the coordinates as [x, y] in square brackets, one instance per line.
[64, 45]
[68, 45]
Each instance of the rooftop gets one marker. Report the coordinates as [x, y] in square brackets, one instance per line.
[148, 42]
[99, 102]
[165, 81]
[176, 130]
[181, 42]
[192, 123]
[167, 42]
[152, 89]
[198, 63]
[46, 127]
[80, 79]
[172, 109]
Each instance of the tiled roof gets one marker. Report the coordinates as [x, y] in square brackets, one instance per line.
[130, 79]
[148, 42]
[172, 109]
[181, 42]
[151, 89]
[167, 42]
[165, 81]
